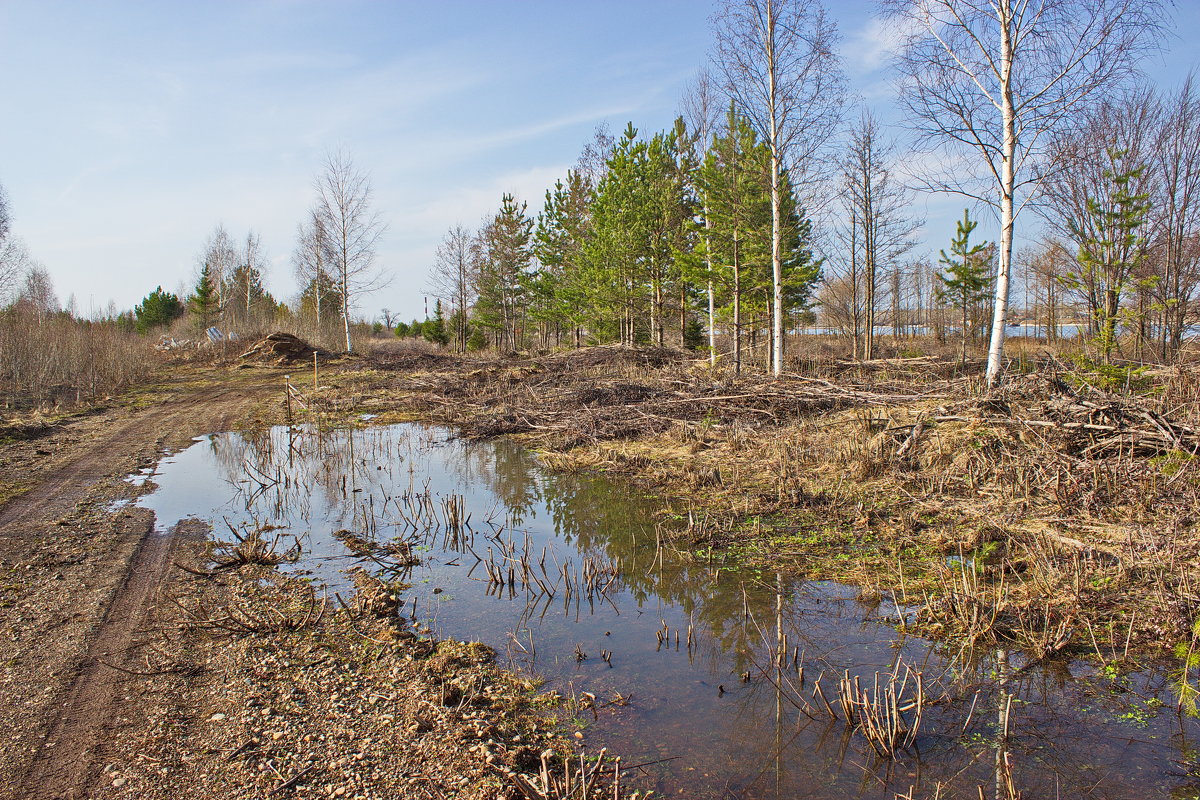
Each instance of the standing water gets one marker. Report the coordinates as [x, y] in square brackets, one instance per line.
[719, 681]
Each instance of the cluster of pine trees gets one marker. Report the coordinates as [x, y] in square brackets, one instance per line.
[229, 293]
[652, 242]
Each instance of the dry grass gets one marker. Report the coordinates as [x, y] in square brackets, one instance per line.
[1064, 502]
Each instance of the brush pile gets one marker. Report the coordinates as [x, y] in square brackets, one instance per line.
[609, 393]
[1083, 421]
[281, 348]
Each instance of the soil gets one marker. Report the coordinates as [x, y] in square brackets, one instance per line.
[117, 678]
[78, 578]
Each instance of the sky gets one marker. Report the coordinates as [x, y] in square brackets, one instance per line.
[129, 130]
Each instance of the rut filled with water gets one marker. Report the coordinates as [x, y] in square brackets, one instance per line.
[712, 680]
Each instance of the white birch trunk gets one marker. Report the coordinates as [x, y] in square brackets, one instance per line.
[776, 263]
[1007, 190]
[712, 303]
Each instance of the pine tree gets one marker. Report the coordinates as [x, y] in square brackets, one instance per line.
[157, 309]
[504, 260]
[562, 229]
[615, 248]
[641, 226]
[733, 179]
[671, 216]
[736, 218]
[434, 330]
[966, 280]
[1110, 258]
[203, 302]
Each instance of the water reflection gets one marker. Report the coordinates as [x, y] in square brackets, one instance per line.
[725, 704]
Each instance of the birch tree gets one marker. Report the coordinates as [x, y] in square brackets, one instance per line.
[995, 79]
[779, 65]
[878, 206]
[11, 253]
[452, 279]
[5, 219]
[699, 110]
[220, 257]
[353, 229]
[14, 263]
[248, 302]
[310, 261]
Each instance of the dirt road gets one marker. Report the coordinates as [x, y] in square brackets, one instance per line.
[79, 575]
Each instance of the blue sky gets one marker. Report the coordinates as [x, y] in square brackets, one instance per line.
[128, 130]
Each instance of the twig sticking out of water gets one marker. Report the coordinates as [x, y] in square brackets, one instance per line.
[879, 712]
[578, 780]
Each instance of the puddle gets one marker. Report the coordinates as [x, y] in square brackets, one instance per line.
[689, 645]
[140, 477]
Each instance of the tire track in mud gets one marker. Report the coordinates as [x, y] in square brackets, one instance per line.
[85, 703]
[59, 492]
[64, 766]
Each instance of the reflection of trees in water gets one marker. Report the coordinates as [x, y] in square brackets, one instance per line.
[509, 472]
[278, 473]
[1053, 748]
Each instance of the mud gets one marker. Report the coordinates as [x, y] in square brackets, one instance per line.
[78, 578]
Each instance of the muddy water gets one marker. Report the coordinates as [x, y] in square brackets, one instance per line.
[722, 715]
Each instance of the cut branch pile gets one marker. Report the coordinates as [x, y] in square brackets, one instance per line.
[1085, 426]
[283, 348]
[607, 393]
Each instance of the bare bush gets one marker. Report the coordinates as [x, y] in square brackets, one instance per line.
[55, 360]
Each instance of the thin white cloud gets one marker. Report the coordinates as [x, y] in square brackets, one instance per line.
[469, 204]
[872, 46]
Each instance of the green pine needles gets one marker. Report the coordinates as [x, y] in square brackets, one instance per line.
[1113, 249]
[967, 279]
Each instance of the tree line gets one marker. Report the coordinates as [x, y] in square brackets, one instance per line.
[333, 259]
[730, 220]
[629, 244]
[760, 210]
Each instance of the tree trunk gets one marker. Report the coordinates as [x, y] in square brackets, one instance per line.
[657, 324]
[737, 308]
[346, 303]
[683, 315]
[776, 232]
[712, 327]
[776, 275]
[964, 334]
[1007, 191]
[712, 303]
[869, 327]
[896, 303]
[1108, 336]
